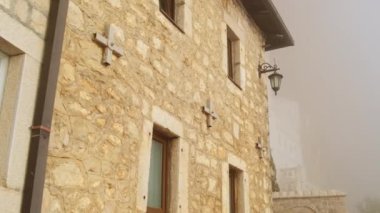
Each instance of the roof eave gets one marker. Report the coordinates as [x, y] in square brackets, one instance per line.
[270, 22]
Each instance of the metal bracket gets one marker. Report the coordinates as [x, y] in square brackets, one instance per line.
[43, 130]
[266, 67]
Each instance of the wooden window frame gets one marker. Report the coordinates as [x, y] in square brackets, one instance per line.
[241, 184]
[168, 8]
[165, 173]
[4, 62]
[232, 56]
[233, 190]
[171, 15]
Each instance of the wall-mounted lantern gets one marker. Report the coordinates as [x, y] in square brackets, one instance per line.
[275, 78]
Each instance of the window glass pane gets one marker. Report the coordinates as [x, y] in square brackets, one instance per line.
[230, 62]
[163, 5]
[3, 73]
[168, 6]
[232, 191]
[155, 175]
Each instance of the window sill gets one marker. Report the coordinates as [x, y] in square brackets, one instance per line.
[235, 83]
[172, 21]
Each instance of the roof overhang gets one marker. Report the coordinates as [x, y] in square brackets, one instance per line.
[270, 22]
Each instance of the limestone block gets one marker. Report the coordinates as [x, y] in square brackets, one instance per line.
[115, 3]
[10, 200]
[110, 207]
[221, 153]
[5, 3]
[212, 185]
[92, 165]
[114, 140]
[82, 127]
[146, 70]
[42, 5]
[51, 203]
[119, 34]
[83, 203]
[145, 107]
[142, 49]
[191, 134]
[171, 87]
[228, 137]
[80, 202]
[101, 108]
[202, 159]
[75, 17]
[157, 43]
[101, 122]
[85, 96]
[197, 98]
[167, 121]
[67, 174]
[22, 10]
[68, 72]
[158, 66]
[119, 128]
[113, 94]
[236, 130]
[107, 168]
[242, 77]
[132, 129]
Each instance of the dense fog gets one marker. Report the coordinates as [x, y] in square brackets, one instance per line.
[332, 76]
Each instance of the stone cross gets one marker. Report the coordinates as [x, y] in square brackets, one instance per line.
[261, 148]
[109, 44]
[209, 111]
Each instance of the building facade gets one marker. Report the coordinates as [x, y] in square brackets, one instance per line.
[158, 108]
[22, 38]
[324, 201]
[297, 194]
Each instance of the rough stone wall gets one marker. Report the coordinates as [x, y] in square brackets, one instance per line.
[323, 202]
[31, 13]
[99, 111]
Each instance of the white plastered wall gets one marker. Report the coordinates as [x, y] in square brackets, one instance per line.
[25, 50]
[179, 162]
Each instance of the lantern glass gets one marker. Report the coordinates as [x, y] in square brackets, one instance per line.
[275, 81]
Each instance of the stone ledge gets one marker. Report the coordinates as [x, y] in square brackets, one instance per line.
[21, 37]
[10, 200]
[308, 194]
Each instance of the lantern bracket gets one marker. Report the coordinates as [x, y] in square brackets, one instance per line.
[266, 67]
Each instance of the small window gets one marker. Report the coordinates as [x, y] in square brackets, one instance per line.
[158, 175]
[233, 183]
[233, 57]
[3, 74]
[178, 12]
[168, 8]
[235, 186]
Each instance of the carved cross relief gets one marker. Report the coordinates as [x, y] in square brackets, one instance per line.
[209, 111]
[261, 148]
[108, 43]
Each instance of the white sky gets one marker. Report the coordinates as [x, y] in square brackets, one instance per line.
[333, 73]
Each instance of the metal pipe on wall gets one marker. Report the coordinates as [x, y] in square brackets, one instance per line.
[40, 131]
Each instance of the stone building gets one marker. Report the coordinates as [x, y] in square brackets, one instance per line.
[158, 105]
[286, 146]
[324, 201]
[23, 26]
[297, 193]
